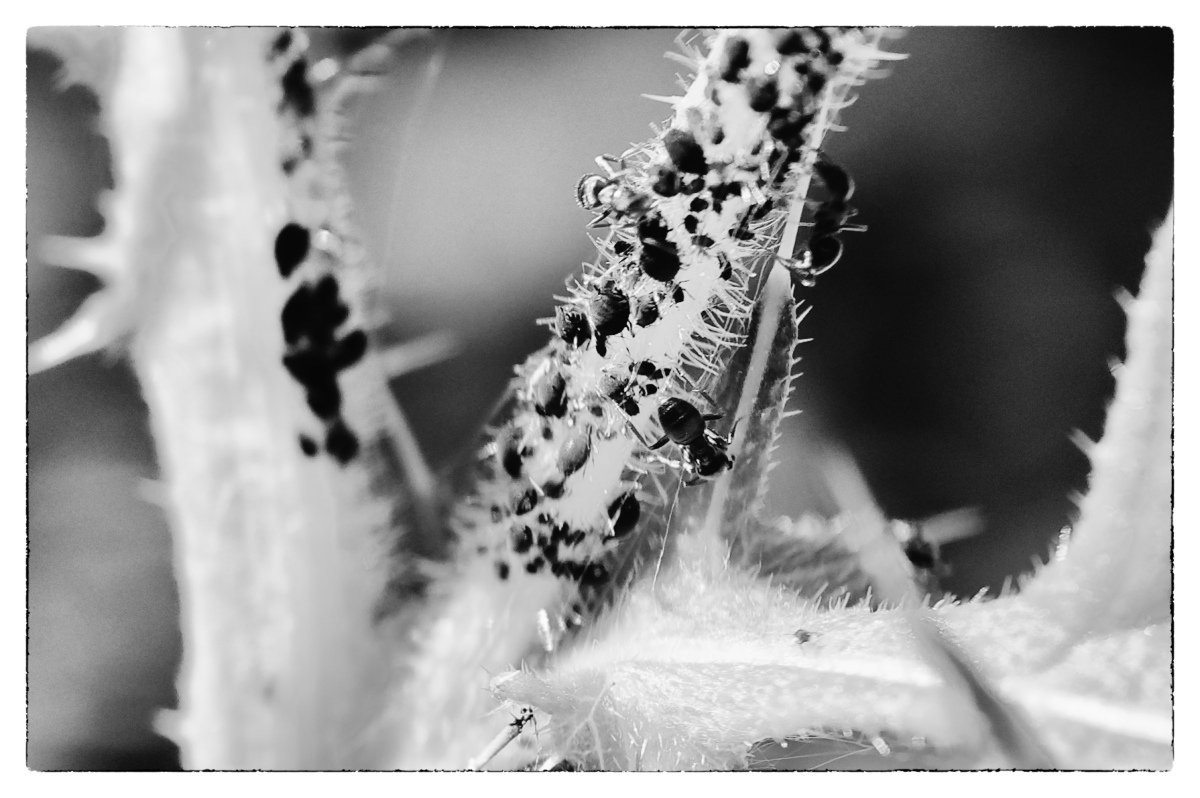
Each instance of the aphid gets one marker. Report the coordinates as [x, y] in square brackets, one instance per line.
[787, 126]
[523, 500]
[572, 325]
[664, 181]
[802, 636]
[703, 450]
[574, 452]
[281, 44]
[347, 351]
[623, 514]
[341, 442]
[726, 267]
[324, 398]
[308, 446]
[548, 393]
[685, 152]
[615, 387]
[609, 309]
[307, 366]
[521, 538]
[646, 311]
[698, 205]
[511, 451]
[734, 58]
[297, 91]
[296, 314]
[789, 42]
[763, 93]
[502, 570]
[291, 247]
[660, 257]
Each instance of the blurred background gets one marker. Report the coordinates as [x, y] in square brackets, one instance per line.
[1009, 178]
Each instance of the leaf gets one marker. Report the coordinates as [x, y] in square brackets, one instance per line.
[695, 667]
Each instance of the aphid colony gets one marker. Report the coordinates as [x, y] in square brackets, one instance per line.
[649, 323]
[314, 312]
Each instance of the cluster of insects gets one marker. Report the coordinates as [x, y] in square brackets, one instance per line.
[314, 311]
[647, 323]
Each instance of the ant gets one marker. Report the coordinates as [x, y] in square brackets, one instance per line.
[610, 194]
[704, 452]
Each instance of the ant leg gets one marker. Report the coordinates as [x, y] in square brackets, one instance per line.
[659, 443]
[713, 416]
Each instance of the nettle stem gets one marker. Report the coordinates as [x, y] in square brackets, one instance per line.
[281, 555]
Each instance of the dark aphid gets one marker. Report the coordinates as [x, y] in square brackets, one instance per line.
[678, 294]
[646, 312]
[297, 314]
[349, 350]
[685, 152]
[664, 181]
[327, 311]
[816, 82]
[610, 311]
[308, 366]
[574, 452]
[308, 446]
[554, 488]
[834, 58]
[282, 43]
[623, 514]
[548, 394]
[621, 247]
[291, 247]
[734, 58]
[297, 91]
[837, 181]
[324, 397]
[787, 125]
[718, 135]
[341, 442]
[593, 574]
[535, 565]
[762, 210]
[612, 385]
[763, 93]
[822, 41]
[703, 450]
[921, 553]
[723, 191]
[502, 570]
[660, 260]
[521, 537]
[702, 241]
[646, 368]
[571, 324]
[726, 267]
[615, 387]
[522, 500]
[691, 224]
[789, 42]
[698, 205]
[693, 186]
[511, 452]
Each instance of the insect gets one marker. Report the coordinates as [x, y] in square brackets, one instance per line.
[609, 311]
[610, 194]
[704, 452]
